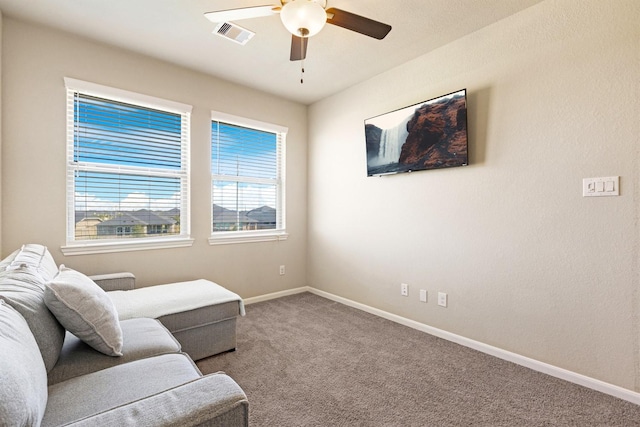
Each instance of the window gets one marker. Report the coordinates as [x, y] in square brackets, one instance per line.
[247, 180]
[127, 170]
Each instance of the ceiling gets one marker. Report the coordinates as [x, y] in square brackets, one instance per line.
[177, 31]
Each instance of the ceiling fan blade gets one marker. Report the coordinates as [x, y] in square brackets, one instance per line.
[241, 13]
[298, 48]
[357, 23]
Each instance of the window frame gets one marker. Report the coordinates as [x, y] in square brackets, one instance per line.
[82, 247]
[251, 236]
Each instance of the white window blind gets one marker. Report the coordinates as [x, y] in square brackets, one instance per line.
[127, 165]
[247, 176]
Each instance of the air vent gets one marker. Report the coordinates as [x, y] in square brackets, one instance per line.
[233, 32]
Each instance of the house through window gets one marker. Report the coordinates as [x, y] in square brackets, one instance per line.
[127, 165]
[247, 178]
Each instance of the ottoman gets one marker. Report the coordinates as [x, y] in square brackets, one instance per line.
[200, 314]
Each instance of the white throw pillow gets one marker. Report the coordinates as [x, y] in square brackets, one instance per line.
[85, 310]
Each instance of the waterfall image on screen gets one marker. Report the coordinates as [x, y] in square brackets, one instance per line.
[428, 135]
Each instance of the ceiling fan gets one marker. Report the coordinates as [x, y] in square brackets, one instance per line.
[303, 19]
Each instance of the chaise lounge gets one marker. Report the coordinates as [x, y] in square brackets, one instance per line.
[200, 314]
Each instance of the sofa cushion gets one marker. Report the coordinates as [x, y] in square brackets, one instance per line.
[22, 287]
[142, 338]
[109, 388]
[22, 277]
[23, 377]
[37, 257]
[85, 310]
[213, 400]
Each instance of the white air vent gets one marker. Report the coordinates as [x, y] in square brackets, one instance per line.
[233, 32]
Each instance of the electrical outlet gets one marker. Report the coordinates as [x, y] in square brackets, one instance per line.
[282, 270]
[442, 299]
[404, 289]
[423, 295]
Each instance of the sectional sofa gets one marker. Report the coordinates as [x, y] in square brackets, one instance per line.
[67, 358]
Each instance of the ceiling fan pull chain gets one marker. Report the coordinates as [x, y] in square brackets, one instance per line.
[302, 63]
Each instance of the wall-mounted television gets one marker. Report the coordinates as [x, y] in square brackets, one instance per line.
[428, 135]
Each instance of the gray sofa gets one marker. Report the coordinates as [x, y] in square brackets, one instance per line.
[108, 372]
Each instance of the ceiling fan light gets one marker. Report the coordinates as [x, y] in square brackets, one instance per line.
[303, 18]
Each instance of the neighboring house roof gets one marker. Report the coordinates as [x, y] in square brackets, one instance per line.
[141, 217]
[265, 214]
[155, 218]
[88, 218]
[226, 216]
[82, 215]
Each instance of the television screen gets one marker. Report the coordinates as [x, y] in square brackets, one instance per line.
[428, 135]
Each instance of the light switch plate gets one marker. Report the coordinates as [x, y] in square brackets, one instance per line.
[423, 295]
[600, 187]
[442, 299]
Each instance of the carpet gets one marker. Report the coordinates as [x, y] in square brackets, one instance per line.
[304, 360]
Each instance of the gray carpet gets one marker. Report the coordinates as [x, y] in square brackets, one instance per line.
[304, 360]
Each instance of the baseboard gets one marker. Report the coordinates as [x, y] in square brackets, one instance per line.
[274, 295]
[554, 371]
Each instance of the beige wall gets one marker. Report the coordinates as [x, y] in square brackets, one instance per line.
[530, 266]
[35, 62]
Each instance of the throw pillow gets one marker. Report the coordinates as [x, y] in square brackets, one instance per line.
[85, 310]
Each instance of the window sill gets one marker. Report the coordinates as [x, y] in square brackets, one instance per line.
[89, 248]
[234, 237]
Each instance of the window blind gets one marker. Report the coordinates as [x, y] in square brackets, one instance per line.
[128, 174]
[123, 134]
[247, 177]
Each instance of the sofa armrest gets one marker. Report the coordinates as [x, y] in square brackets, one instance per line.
[115, 281]
[212, 400]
